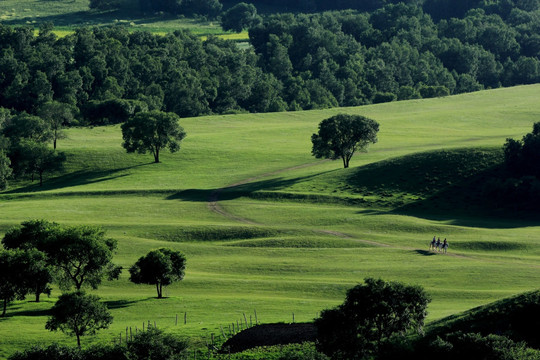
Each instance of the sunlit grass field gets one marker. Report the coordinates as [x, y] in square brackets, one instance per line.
[294, 232]
[67, 15]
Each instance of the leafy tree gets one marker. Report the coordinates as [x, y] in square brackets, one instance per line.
[152, 131]
[159, 267]
[371, 313]
[38, 158]
[33, 235]
[37, 274]
[58, 115]
[12, 276]
[209, 8]
[29, 127]
[78, 314]
[5, 170]
[240, 16]
[342, 135]
[82, 256]
[522, 157]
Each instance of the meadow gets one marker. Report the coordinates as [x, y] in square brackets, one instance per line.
[290, 233]
[68, 15]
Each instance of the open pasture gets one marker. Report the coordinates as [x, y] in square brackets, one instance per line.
[290, 233]
[67, 15]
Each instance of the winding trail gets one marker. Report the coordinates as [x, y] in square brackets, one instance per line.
[214, 206]
[214, 196]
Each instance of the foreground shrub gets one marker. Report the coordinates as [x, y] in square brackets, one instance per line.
[149, 345]
[304, 351]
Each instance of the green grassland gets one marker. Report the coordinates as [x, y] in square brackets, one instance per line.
[67, 15]
[292, 233]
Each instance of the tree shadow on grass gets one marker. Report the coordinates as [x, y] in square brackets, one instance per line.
[76, 178]
[252, 189]
[445, 185]
[424, 252]
[120, 304]
[15, 310]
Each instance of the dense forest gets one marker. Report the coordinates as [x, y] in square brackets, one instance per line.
[297, 61]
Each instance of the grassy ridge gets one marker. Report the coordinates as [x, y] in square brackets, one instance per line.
[280, 252]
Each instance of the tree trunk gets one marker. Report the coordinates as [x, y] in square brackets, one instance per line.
[156, 156]
[78, 340]
[38, 293]
[158, 288]
[40, 178]
[54, 143]
[345, 162]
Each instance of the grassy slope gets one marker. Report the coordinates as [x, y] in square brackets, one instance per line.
[69, 14]
[285, 260]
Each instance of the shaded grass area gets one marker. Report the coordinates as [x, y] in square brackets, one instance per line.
[516, 317]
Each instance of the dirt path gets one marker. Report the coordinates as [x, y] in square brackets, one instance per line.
[214, 197]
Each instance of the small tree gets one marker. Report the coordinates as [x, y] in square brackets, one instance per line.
[58, 115]
[78, 314]
[371, 313]
[159, 267]
[152, 131]
[342, 135]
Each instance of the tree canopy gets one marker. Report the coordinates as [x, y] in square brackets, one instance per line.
[80, 255]
[152, 131]
[78, 314]
[342, 135]
[13, 283]
[159, 267]
[239, 17]
[523, 156]
[370, 314]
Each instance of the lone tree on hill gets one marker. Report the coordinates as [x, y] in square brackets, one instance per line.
[78, 314]
[371, 313]
[159, 267]
[342, 135]
[152, 131]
